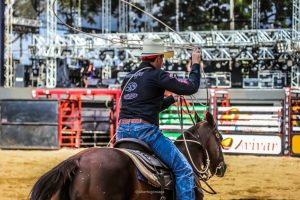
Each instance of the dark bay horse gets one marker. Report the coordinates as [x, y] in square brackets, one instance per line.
[109, 174]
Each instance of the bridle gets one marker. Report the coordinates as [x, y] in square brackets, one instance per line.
[204, 174]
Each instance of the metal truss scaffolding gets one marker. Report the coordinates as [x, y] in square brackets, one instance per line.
[296, 20]
[79, 20]
[51, 43]
[238, 45]
[255, 14]
[148, 20]
[295, 77]
[215, 45]
[106, 16]
[9, 68]
[123, 17]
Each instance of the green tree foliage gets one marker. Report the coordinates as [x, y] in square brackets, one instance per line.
[205, 14]
[193, 14]
[25, 8]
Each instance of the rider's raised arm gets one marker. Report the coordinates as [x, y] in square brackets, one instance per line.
[178, 86]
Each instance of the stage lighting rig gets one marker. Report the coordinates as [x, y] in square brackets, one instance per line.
[102, 55]
[181, 66]
[168, 65]
[66, 52]
[35, 68]
[90, 43]
[122, 55]
[218, 65]
[32, 50]
[289, 62]
[209, 40]
[281, 46]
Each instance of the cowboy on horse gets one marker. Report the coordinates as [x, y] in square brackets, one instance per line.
[143, 99]
[114, 173]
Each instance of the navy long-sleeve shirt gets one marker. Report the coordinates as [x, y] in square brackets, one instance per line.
[143, 96]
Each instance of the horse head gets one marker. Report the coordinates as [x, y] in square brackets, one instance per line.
[205, 133]
[214, 146]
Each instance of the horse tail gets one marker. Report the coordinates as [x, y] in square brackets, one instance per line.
[55, 180]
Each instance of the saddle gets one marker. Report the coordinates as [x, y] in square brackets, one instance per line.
[154, 171]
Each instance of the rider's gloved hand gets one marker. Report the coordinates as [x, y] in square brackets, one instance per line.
[196, 56]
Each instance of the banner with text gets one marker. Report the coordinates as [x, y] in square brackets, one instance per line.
[254, 144]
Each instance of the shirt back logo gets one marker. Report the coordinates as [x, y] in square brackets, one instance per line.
[130, 96]
[131, 87]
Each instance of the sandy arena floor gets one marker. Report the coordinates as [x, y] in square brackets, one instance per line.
[248, 177]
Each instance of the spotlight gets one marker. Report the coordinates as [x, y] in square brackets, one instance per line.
[35, 70]
[209, 41]
[281, 46]
[181, 66]
[121, 55]
[66, 52]
[276, 66]
[168, 65]
[245, 62]
[289, 63]
[218, 65]
[254, 69]
[237, 64]
[32, 50]
[102, 55]
[89, 43]
[284, 67]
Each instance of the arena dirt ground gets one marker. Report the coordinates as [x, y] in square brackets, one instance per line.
[248, 177]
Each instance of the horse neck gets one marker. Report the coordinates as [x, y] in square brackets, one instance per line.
[194, 149]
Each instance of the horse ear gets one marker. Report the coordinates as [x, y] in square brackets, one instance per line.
[197, 118]
[210, 119]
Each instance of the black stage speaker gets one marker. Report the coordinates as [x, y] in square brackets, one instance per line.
[63, 75]
[20, 76]
[29, 124]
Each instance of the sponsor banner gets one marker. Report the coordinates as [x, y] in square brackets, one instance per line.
[254, 144]
[249, 129]
[296, 123]
[249, 123]
[174, 116]
[296, 144]
[173, 127]
[248, 117]
[296, 129]
[191, 108]
[296, 108]
[172, 135]
[296, 117]
[250, 109]
[175, 121]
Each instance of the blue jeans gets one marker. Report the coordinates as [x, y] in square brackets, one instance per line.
[165, 150]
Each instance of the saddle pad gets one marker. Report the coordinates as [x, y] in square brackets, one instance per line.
[152, 179]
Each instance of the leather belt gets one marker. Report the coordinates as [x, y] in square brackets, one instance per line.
[132, 121]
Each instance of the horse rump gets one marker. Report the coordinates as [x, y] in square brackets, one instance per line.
[55, 181]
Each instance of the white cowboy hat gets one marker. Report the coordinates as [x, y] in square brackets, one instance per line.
[152, 47]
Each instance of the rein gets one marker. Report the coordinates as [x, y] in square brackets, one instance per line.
[202, 174]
